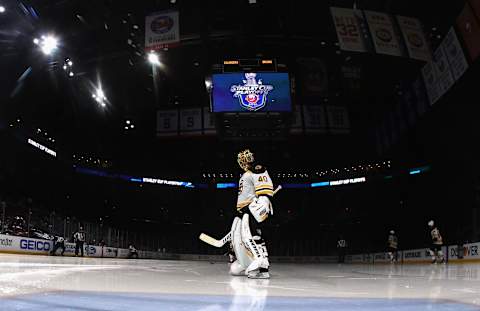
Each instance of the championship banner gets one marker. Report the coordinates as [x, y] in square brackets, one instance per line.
[469, 28]
[167, 122]
[161, 30]
[454, 52]
[296, 125]
[338, 121]
[349, 25]
[208, 122]
[351, 78]
[414, 38]
[430, 78]
[191, 121]
[314, 117]
[312, 77]
[442, 68]
[383, 34]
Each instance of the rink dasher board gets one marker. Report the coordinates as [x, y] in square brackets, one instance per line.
[31, 246]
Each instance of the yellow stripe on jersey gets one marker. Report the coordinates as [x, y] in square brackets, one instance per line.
[269, 186]
[264, 191]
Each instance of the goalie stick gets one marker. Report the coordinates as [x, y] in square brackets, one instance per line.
[228, 237]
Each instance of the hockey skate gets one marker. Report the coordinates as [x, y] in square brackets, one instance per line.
[261, 273]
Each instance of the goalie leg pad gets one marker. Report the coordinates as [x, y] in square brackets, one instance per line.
[258, 256]
[241, 252]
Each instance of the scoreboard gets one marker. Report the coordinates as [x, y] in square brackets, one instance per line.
[250, 64]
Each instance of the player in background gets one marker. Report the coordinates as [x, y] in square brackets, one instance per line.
[58, 242]
[79, 238]
[341, 249]
[437, 243]
[255, 191]
[392, 246]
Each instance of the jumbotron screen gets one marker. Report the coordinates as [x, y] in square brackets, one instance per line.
[250, 92]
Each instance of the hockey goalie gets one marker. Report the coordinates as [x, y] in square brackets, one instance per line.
[249, 254]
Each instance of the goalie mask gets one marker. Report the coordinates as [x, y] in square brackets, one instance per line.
[245, 159]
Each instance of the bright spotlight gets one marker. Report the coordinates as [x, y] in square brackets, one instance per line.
[48, 44]
[2, 9]
[70, 63]
[36, 41]
[100, 94]
[64, 67]
[128, 121]
[153, 58]
[71, 74]
[208, 84]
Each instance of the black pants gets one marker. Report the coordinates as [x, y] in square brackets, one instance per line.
[57, 246]
[341, 254]
[78, 246]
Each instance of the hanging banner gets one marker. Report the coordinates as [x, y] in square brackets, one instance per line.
[414, 38]
[312, 77]
[167, 122]
[191, 121]
[469, 29]
[442, 70]
[208, 122]
[314, 117]
[454, 52]
[349, 25]
[296, 125]
[351, 78]
[430, 78]
[162, 30]
[383, 34]
[338, 121]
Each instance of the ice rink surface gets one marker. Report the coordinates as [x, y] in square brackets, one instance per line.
[66, 283]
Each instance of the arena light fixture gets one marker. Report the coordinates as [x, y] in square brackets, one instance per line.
[153, 58]
[2, 9]
[48, 44]
[99, 96]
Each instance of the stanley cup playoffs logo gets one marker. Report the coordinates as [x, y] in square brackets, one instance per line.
[252, 95]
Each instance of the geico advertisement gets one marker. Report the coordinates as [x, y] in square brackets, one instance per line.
[15, 243]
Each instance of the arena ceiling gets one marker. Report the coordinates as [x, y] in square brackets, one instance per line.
[104, 39]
